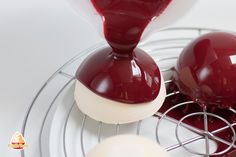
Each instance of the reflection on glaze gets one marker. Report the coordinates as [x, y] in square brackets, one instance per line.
[206, 70]
[123, 73]
[130, 79]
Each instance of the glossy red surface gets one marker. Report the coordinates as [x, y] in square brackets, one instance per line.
[206, 70]
[125, 20]
[128, 78]
[123, 73]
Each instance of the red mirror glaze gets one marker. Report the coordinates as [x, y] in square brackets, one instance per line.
[206, 70]
[125, 20]
[133, 78]
[123, 73]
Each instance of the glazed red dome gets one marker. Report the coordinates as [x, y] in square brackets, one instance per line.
[206, 70]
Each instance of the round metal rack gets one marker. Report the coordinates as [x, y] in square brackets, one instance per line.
[54, 126]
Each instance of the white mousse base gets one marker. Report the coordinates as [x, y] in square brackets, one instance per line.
[127, 146]
[113, 112]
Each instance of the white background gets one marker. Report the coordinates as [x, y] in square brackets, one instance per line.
[38, 36]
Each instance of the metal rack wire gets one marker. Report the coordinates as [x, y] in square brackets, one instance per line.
[154, 51]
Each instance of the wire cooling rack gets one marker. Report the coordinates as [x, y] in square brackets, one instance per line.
[54, 126]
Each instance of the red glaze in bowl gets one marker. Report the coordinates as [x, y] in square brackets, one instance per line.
[125, 20]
